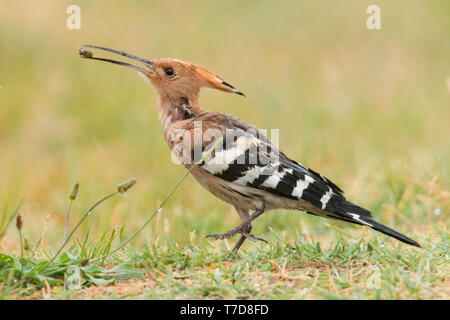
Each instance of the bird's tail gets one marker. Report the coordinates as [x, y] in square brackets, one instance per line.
[388, 231]
[347, 211]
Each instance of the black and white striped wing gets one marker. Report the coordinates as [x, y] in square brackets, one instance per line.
[251, 161]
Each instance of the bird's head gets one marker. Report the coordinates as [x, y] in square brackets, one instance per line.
[172, 78]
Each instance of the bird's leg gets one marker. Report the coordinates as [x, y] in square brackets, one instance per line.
[246, 235]
[242, 228]
[242, 238]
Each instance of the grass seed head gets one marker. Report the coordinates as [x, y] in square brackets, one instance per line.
[73, 194]
[124, 186]
[19, 222]
[26, 245]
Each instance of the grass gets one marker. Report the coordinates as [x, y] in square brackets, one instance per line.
[369, 268]
[368, 109]
[297, 269]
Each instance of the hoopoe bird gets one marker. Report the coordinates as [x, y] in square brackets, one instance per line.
[244, 168]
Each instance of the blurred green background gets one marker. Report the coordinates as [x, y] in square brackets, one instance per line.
[370, 109]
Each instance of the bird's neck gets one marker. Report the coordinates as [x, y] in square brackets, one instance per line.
[173, 110]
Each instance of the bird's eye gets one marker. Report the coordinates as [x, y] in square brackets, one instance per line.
[170, 72]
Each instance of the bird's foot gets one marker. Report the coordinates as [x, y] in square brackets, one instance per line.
[242, 228]
[222, 236]
[253, 238]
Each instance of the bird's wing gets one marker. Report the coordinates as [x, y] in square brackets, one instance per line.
[249, 159]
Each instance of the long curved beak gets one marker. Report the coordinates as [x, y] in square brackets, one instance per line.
[87, 54]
